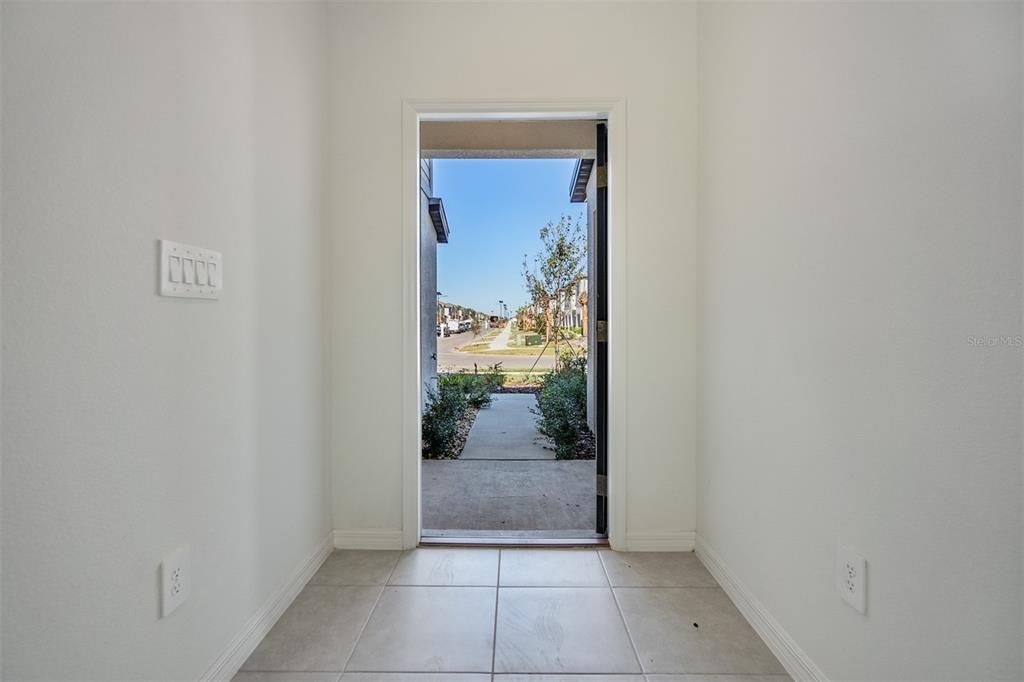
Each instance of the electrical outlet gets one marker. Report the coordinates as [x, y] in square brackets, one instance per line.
[175, 580]
[851, 578]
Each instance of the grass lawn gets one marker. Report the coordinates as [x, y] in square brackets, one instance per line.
[475, 347]
[530, 351]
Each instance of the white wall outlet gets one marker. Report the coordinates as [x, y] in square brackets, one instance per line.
[175, 580]
[851, 578]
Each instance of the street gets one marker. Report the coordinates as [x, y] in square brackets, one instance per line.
[448, 359]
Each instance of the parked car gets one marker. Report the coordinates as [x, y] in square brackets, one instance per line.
[439, 330]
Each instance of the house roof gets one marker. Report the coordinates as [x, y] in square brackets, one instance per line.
[580, 178]
[436, 209]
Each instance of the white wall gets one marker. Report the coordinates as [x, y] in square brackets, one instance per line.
[136, 423]
[860, 184]
[384, 52]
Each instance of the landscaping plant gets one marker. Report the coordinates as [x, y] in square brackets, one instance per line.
[561, 262]
[562, 406]
[446, 407]
[452, 406]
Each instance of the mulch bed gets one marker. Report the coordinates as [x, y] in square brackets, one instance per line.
[462, 432]
[586, 446]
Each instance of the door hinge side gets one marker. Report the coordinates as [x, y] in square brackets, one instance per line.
[602, 485]
[602, 331]
[602, 176]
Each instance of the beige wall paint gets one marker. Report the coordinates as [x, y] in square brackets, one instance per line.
[385, 52]
[133, 423]
[860, 185]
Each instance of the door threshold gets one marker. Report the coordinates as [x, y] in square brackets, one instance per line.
[510, 542]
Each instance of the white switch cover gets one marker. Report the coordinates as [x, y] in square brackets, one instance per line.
[851, 578]
[175, 580]
[174, 270]
[190, 271]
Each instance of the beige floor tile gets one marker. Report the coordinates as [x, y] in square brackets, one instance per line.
[317, 632]
[285, 677]
[561, 630]
[568, 678]
[415, 677]
[453, 567]
[662, 621]
[551, 568]
[428, 629]
[356, 567]
[718, 678]
[656, 569]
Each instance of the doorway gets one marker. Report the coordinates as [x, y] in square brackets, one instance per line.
[499, 446]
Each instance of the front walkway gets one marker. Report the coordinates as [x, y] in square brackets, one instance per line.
[507, 430]
[507, 483]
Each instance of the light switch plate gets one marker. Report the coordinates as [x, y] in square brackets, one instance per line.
[188, 271]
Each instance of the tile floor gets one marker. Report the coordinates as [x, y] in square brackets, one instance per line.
[512, 615]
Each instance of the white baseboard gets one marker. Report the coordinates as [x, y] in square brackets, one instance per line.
[796, 662]
[368, 539]
[225, 667]
[661, 541]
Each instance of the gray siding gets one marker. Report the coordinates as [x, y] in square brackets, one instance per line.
[428, 285]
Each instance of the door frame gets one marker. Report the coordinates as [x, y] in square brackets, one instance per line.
[614, 111]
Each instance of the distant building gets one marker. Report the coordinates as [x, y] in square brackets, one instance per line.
[572, 305]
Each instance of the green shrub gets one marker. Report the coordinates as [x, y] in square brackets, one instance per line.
[562, 406]
[448, 403]
[476, 387]
[446, 407]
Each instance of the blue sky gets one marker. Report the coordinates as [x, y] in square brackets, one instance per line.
[495, 208]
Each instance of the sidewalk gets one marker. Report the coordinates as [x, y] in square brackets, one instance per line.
[506, 430]
[500, 341]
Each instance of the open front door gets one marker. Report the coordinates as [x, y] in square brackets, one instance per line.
[601, 326]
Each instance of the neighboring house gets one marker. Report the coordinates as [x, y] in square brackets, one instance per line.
[433, 231]
[572, 305]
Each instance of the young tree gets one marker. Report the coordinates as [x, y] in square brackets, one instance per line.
[560, 262]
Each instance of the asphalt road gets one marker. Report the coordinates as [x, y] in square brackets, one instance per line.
[449, 359]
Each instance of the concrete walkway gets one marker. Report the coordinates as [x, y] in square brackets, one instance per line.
[507, 430]
[500, 342]
[516, 495]
[506, 484]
